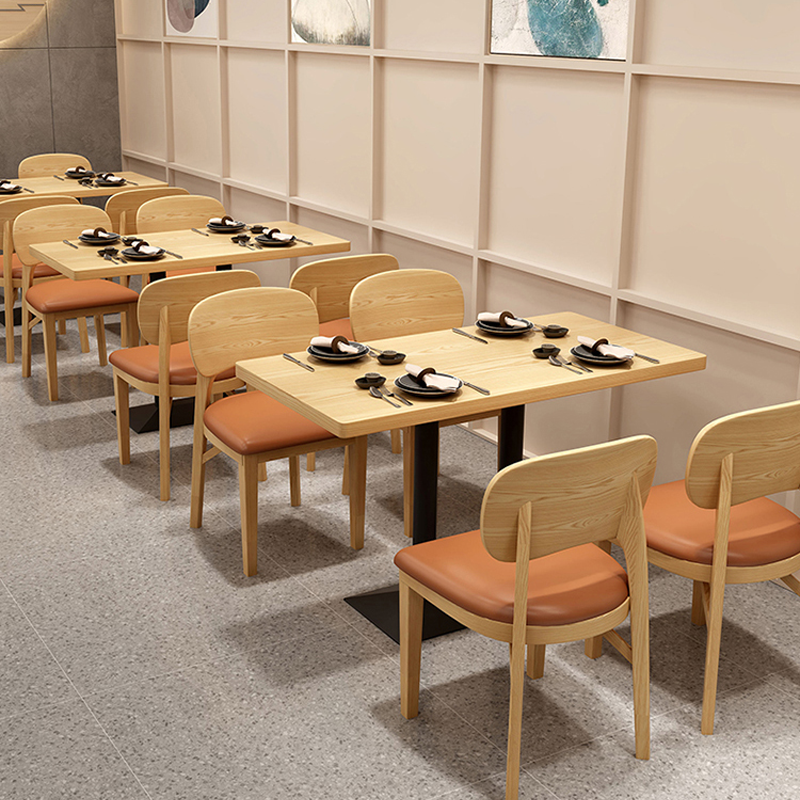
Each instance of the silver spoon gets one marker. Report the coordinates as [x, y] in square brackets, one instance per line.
[375, 392]
[556, 363]
[402, 399]
[573, 364]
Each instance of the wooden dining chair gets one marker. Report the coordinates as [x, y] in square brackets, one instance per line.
[717, 526]
[532, 575]
[46, 164]
[328, 283]
[11, 268]
[178, 213]
[163, 367]
[53, 301]
[252, 428]
[398, 304]
[122, 207]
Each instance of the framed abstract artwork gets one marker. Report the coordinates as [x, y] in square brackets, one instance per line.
[197, 18]
[331, 21]
[561, 28]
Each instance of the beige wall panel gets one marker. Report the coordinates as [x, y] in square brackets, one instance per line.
[717, 200]
[257, 112]
[446, 26]
[741, 373]
[431, 122]
[254, 208]
[333, 131]
[722, 33]
[144, 168]
[141, 18]
[195, 107]
[256, 20]
[196, 185]
[555, 179]
[413, 254]
[356, 234]
[527, 295]
[143, 74]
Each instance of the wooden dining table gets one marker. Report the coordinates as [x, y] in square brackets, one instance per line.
[50, 185]
[505, 366]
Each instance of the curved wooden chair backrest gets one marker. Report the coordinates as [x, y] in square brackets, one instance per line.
[576, 497]
[405, 301]
[48, 164]
[177, 213]
[52, 224]
[249, 323]
[180, 295]
[329, 282]
[765, 446]
[11, 209]
[122, 206]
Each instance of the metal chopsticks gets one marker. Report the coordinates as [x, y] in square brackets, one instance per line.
[469, 335]
[299, 363]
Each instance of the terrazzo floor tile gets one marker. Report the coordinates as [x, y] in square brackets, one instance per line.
[29, 674]
[319, 717]
[62, 753]
[494, 788]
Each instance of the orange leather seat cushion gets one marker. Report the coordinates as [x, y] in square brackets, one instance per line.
[142, 363]
[565, 587]
[54, 296]
[253, 423]
[761, 531]
[337, 327]
[39, 271]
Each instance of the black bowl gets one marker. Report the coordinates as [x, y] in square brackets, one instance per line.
[369, 380]
[546, 350]
[389, 357]
[554, 331]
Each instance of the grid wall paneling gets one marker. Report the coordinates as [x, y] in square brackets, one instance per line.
[659, 192]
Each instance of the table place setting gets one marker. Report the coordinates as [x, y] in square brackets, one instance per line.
[140, 250]
[8, 187]
[601, 353]
[427, 382]
[503, 323]
[98, 236]
[336, 349]
[78, 173]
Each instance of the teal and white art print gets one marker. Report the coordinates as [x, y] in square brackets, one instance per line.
[331, 21]
[561, 28]
[197, 18]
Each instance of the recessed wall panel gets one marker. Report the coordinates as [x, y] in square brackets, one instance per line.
[141, 18]
[737, 34]
[741, 373]
[144, 168]
[717, 200]
[143, 75]
[413, 254]
[256, 20]
[333, 131]
[555, 178]
[257, 132]
[195, 107]
[431, 122]
[356, 234]
[446, 26]
[196, 185]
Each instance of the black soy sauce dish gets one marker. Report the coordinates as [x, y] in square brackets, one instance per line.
[554, 331]
[546, 350]
[370, 379]
[389, 357]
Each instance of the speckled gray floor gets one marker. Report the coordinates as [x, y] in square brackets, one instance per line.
[138, 662]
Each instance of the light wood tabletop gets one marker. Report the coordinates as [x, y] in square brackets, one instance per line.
[504, 366]
[197, 250]
[49, 184]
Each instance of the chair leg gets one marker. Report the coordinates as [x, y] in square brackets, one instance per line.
[49, 325]
[698, 611]
[408, 482]
[130, 320]
[262, 472]
[640, 663]
[121, 395]
[346, 472]
[83, 331]
[9, 300]
[396, 446]
[248, 501]
[164, 409]
[27, 337]
[62, 327]
[358, 490]
[294, 480]
[410, 649]
[100, 331]
[593, 647]
[311, 462]
[536, 660]
[713, 641]
[198, 476]
[515, 720]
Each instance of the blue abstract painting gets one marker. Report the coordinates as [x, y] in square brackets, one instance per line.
[561, 28]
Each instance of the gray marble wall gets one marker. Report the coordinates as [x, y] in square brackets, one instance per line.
[58, 87]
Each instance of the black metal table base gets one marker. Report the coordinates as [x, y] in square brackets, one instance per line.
[382, 609]
[17, 316]
[144, 418]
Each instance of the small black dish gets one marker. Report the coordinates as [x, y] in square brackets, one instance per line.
[257, 228]
[554, 331]
[240, 237]
[389, 357]
[546, 350]
[369, 380]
